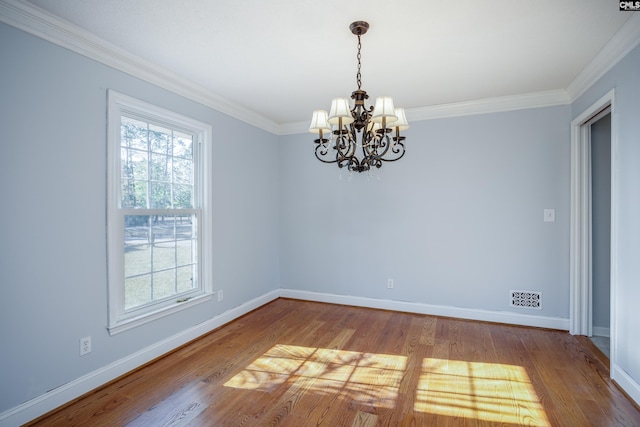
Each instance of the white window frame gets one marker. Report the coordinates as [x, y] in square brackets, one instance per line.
[120, 319]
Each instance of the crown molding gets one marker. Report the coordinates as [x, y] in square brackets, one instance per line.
[622, 42]
[38, 22]
[625, 40]
[491, 105]
[294, 128]
[467, 108]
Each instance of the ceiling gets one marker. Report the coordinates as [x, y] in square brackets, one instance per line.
[282, 59]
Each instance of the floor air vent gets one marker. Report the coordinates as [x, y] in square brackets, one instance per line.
[526, 299]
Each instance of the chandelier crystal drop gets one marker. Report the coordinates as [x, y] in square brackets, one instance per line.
[359, 138]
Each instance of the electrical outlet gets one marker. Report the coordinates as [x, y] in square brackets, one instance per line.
[220, 295]
[85, 345]
[390, 283]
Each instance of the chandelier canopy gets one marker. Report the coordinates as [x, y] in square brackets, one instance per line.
[359, 138]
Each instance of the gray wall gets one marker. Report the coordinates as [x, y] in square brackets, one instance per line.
[601, 220]
[624, 77]
[52, 221]
[457, 222]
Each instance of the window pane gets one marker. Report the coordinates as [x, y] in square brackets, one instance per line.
[184, 253]
[164, 284]
[137, 291]
[134, 194]
[186, 280]
[161, 168]
[134, 175]
[136, 259]
[138, 162]
[182, 196]
[160, 257]
[133, 134]
[137, 248]
[163, 228]
[136, 229]
[156, 167]
[182, 171]
[182, 145]
[134, 164]
[160, 139]
[160, 197]
[164, 256]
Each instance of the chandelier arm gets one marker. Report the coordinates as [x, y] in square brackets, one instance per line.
[322, 151]
[345, 145]
[377, 141]
[385, 143]
[367, 142]
[398, 147]
[351, 163]
[376, 162]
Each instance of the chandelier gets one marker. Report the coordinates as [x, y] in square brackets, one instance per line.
[359, 138]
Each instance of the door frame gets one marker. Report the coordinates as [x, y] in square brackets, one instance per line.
[580, 264]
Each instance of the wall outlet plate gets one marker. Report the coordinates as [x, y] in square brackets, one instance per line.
[85, 345]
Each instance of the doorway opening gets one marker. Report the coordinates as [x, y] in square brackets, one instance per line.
[592, 222]
[601, 229]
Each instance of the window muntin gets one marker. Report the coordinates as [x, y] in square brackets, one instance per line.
[160, 258]
[157, 198]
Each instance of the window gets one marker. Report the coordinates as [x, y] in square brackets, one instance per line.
[157, 212]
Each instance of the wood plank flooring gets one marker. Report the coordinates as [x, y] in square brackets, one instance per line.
[297, 363]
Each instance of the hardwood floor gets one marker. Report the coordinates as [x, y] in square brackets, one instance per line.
[296, 363]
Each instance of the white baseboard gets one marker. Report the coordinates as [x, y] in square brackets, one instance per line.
[76, 388]
[626, 383]
[435, 310]
[42, 404]
[50, 400]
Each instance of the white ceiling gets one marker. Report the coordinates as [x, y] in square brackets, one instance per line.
[284, 58]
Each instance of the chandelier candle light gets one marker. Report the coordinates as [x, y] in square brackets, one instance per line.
[350, 129]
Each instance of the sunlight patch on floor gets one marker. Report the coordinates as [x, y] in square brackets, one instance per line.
[365, 377]
[484, 391]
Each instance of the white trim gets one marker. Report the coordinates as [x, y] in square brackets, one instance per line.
[580, 312]
[625, 382]
[134, 322]
[626, 39]
[491, 105]
[467, 108]
[76, 388]
[613, 256]
[434, 310]
[52, 399]
[294, 128]
[40, 23]
[120, 105]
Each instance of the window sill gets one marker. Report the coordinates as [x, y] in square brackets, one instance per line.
[133, 322]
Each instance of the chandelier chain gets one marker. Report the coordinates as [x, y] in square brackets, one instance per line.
[359, 75]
